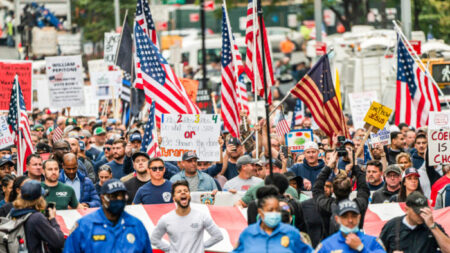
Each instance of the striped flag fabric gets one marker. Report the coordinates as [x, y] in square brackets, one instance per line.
[145, 20]
[316, 91]
[232, 67]
[253, 60]
[282, 126]
[298, 115]
[149, 141]
[160, 82]
[416, 94]
[57, 133]
[242, 94]
[19, 125]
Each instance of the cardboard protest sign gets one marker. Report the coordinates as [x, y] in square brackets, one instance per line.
[439, 147]
[110, 47]
[296, 139]
[383, 137]
[106, 85]
[439, 120]
[6, 139]
[65, 79]
[204, 101]
[41, 98]
[190, 132]
[359, 105]
[377, 116]
[97, 66]
[90, 108]
[191, 87]
[8, 71]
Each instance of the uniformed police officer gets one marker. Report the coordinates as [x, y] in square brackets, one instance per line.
[109, 229]
[349, 238]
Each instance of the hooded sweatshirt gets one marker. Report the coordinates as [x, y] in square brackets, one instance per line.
[304, 170]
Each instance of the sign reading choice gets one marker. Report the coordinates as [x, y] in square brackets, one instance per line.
[439, 147]
[190, 132]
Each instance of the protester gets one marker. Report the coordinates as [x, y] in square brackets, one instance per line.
[234, 150]
[416, 231]
[7, 185]
[104, 174]
[15, 191]
[410, 183]
[6, 166]
[374, 175]
[420, 145]
[404, 160]
[88, 167]
[140, 164]
[99, 138]
[296, 182]
[110, 228]
[311, 166]
[392, 177]
[440, 184]
[106, 156]
[397, 146]
[34, 167]
[246, 177]
[185, 225]
[117, 165]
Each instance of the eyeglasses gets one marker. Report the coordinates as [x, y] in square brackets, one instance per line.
[106, 149]
[154, 169]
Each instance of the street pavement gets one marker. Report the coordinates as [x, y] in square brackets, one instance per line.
[8, 53]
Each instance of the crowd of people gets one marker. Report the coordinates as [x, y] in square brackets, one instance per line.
[316, 199]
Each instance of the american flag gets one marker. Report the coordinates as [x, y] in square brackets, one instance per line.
[242, 94]
[160, 82]
[416, 94]
[145, 20]
[282, 126]
[298, 115]
[232, 67]
[150, 142]
[256, 57]
[19, 126]
[316, 90]
[57, 133]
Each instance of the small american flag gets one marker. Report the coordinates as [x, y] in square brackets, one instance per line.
[282, 126]
[57, 133]
[298, 115]
[150, 142]
[19, 126]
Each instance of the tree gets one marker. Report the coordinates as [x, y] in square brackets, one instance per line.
[349, 12]
[434, 18]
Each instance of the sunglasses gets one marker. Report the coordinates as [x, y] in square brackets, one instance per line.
[81, 137]
[108, 169]
[106, 149]
[161, 168]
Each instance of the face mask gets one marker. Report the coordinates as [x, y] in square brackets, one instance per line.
[115, 207]
[347, 230]
[272, 219]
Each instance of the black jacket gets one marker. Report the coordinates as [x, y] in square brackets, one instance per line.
[314, 226]
[382, 195]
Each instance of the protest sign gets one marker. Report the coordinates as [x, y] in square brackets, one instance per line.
[69, 43]
[97, 66]
[296, 139]
[110, 47]
[6, 139]
[377, 115]
[41, 98]
[438, 147]
[204, 101]
[8, 71]
[359, 105]
[106, 85]
[439, 120]
[383, 137]
[190, 132]
[65, 78]
[90, 108]
[191, 87]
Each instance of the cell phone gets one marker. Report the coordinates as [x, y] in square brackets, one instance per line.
[284, 150]
[49, 205]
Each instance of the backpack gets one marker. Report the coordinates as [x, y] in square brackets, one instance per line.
[10, 231]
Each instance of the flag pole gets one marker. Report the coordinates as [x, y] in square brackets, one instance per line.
[255, 88]
[417, 58]
[19, 139]
[260, 17]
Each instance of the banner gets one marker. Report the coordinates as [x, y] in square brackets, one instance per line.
[296, 139]
[438, 147]
[190, 132]
[439, 120]
[65, 76]
[8, 71]
[106, 85]
[110, 47]
[219, 199]
[6, 139]
[359, 105]
[383, 137]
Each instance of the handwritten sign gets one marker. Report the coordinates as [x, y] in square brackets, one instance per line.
[65, 76]
[98, 65]
[90, 108]
[359, 105]
[107, 84]
[110, 47]
[190, 132]
[377, 115]
[439, 120]
[8, 71]
[191, 87]
[204, 101]
[439, 147]
[296, 139]
[383, 137]
[6, 139]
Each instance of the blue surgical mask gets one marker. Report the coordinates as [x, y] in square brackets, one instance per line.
[116, 207]
[347, 230]
[272, 219]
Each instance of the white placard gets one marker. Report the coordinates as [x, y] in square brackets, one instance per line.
[110, 47]
[190, 132]
[90, 108]
[439, 147]
[439, 120]
[359, 105]
[65, 80]
[383, 137]
[6, 138]
[69, 44]
[106, 85]
[41, 98]
[97, 66]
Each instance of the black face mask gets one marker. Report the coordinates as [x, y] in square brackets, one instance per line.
[116, 207]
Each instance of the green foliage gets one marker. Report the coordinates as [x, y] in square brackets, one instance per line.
[434, 16]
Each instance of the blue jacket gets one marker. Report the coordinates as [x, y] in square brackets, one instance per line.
[284, 239]
[336, 242]
[95, 233]
[306, 171]
[417, 160]
[205, 181]
[88, 194]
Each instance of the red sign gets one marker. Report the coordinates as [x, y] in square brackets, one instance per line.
[209, 5]
[162, 26]
[321, 48]
[8, 71]
[417, 46]
[194, 17]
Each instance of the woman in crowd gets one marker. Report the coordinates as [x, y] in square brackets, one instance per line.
[15, 191]
[410, 183]
[404, 160]
[7, 185]
[269, 232]
[104, 174]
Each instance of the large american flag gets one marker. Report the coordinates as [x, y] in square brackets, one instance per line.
[298, 115]
[145, 20]
[316, 90]
[416, 94]
[232, 67]
[150, 142]
[254, 74]
[18, 123]
[282, 126]
[160, 82]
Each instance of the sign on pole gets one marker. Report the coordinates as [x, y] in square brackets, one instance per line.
[6, 138]
[106, 85]
[190, 132]
[383, 137]
[90, 108]
[110, 47]
[359, 105]
[439, 120]
[8, 70]
[439, 147]
[65, 79]
[296, 139]
[377, 116]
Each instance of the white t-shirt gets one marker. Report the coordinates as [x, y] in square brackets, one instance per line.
[240, 184]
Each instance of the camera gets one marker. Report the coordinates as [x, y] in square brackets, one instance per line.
[341, 151]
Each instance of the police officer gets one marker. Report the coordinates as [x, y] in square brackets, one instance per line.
[109, 229]
[349, 238]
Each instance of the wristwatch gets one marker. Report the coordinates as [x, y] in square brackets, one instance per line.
[360, 247]
[433, 226]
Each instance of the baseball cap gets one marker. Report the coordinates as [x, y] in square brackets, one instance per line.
[411, 172]
[348, 141]
[99, 131]
[235, 141]
[245, 159]
[109, 142]
[139, 153]
[189, 155]
[310, 145]
[416, 201]
[38, 127]
[31, 190]
[112, 186]
[393, 168]
[68, 129]
[43, 147]
[71, 121]
[292, 176]
[135, 137]
[82, 145]
[6, 160]
[347, 205]
[275, 163]
[86, 133]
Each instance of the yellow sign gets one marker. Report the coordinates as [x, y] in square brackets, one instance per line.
[377, 115]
